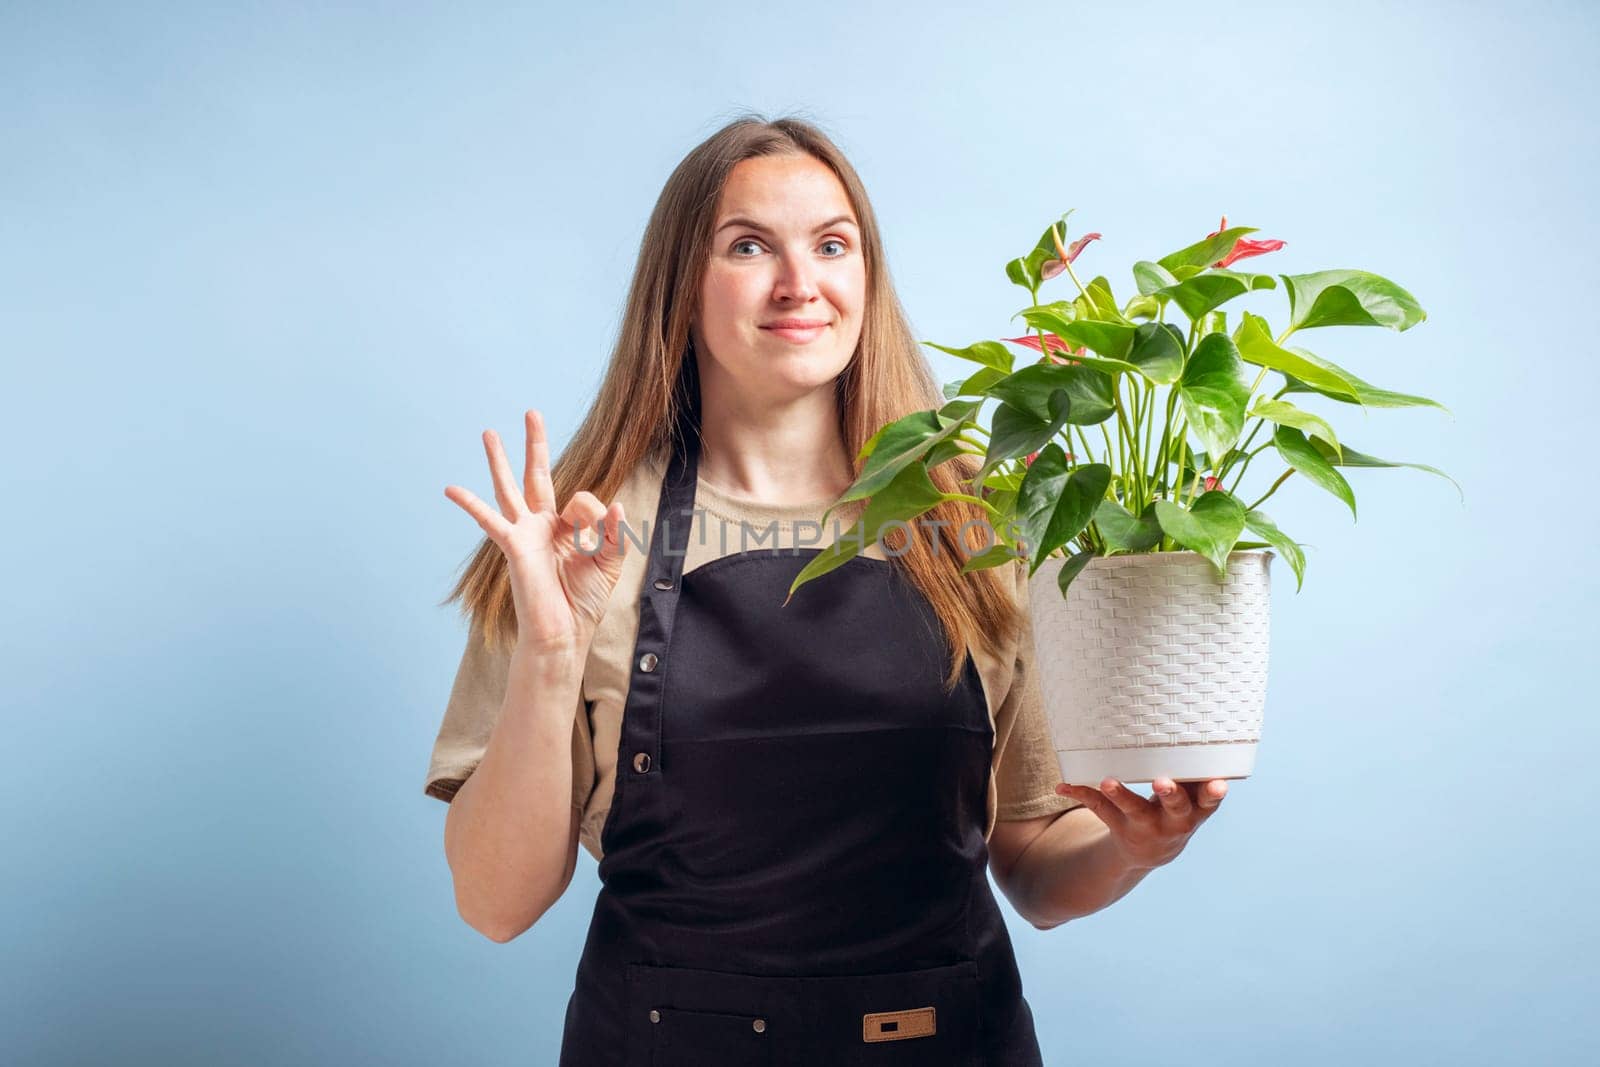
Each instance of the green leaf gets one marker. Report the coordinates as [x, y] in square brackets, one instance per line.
[1105, 305]
[1152, 277]
[904, 442]
[1071, 569]
[1205, 292]
[993, 556]
[1016, 432]
[943, 452]
[871, 443]
[1004, 500]
[1054, 504]
[1349, 298]
[910, 494]
[1307, 373]
[1210, 527]
[1366, 394]
[1024, 270]
[1257, 523]
[975, 384]
[1203, 253]
[1006, 478]
[1303, 457]
[1111, 339]
[1017, 271]
[1255, 344]
[1349, 457]
[1145, 307]
[1213, 392]
[1030, 389]
[988, 353]
[1157, 351]
[1123, 531]
[1061, 309]
[1286, 414]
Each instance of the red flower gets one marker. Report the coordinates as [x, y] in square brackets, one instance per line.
[1027, 461]
[1211, 483]
[1056, 343]
[1051, 267]
[1243, 248]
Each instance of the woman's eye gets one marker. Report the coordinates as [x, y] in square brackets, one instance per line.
[843, 248]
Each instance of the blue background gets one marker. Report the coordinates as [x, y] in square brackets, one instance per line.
[266, 273]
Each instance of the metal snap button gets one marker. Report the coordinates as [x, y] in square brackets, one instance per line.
[655, 1016]
[641, 761]
[663, 583]
[759, 1026]
[648, 661]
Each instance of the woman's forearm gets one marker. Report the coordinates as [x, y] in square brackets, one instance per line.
[508, 830]
[1075, 868]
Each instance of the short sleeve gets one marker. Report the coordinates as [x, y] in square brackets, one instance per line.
[1028, 771]
[471, 713]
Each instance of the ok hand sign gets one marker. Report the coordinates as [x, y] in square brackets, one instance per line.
[563, 567]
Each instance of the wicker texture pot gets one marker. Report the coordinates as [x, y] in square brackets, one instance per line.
[1153, 666]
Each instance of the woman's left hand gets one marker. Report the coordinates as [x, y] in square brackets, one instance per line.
[1150, 831]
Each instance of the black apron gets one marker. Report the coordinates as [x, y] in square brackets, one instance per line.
[794, 870]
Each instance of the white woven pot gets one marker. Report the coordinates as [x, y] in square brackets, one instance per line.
[1153, 666]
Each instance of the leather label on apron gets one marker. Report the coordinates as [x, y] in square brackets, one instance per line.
[897, 1025]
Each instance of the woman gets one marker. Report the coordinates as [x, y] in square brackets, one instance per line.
[794, 805]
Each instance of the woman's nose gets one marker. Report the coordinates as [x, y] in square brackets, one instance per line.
[797, 280]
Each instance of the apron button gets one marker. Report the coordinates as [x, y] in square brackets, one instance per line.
[759, 1026]
[648, 661]
[641, 761]
[663, 583]
[655, 1016]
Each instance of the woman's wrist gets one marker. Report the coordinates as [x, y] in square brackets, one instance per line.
[553, 660]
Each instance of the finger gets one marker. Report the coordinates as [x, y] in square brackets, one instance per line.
[616, 545]
[1132, 804]
[537, 487]
[581, 522]
[1174, 801]
[493, 525]
[1092, 799]
[1210, 794]
[505, 486]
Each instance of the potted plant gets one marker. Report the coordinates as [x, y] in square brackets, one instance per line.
[1115, 465]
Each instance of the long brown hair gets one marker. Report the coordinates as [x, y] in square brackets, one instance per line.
[651, 384]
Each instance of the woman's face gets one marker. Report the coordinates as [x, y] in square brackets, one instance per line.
[786, 248]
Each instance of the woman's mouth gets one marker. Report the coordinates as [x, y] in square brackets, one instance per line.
[797, 334]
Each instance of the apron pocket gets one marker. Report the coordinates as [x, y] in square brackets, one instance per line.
[684, 1038]
[683, 1015]
[924, 1016]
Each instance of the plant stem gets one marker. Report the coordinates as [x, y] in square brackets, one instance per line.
[1086, 452]
[1074, 278]
[1124, 435]
[1281, 479]
[990, 508]
[1260, 422]
[1246, 466]
[1162, 458]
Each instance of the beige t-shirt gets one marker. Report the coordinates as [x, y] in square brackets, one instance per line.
[1023, 770]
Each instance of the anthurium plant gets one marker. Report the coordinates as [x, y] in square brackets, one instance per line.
[1136, 427]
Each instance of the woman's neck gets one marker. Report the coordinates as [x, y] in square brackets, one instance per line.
[795, 452]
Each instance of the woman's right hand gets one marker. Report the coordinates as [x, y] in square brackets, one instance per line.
[559, 589]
